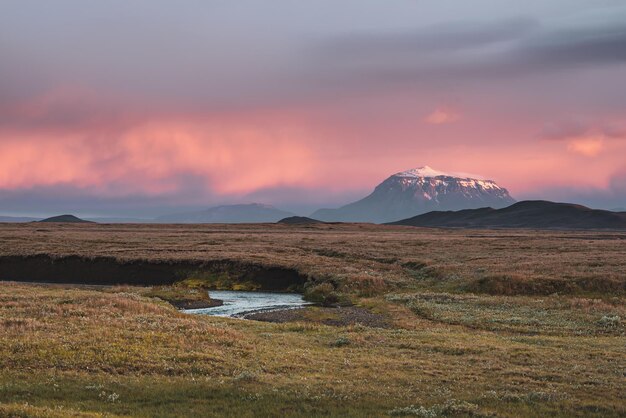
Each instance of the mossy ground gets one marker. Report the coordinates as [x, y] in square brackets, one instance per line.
[216, 281]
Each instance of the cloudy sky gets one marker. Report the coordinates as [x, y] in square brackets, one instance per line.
[136, 108]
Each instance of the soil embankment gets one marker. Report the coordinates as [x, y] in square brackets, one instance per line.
[196, 304]
[112, 271]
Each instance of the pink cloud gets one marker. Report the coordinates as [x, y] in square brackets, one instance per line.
[588, 140]
[111, 148]
[67, 139]
[441, 116]
[587, 146]
[150, 158]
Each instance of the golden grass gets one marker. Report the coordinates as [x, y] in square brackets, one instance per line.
[122, 351]
[478, 351]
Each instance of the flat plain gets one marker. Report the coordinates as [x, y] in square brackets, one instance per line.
[477, 323]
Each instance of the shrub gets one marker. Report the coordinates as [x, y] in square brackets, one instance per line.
[246, 376]
[608, 321]
[421, 309]
[371, 286]
[219, 281]
[340, 342]
[323, 293]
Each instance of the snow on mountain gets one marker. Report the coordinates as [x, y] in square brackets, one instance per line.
[417, 191]
[425, 171]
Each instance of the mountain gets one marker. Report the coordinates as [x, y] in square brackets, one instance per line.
[299, 220]
[537, 214]
[250, 213]
[16, 219]
[417, 191]
[65, 219]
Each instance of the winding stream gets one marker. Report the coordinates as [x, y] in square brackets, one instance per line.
[237, 303]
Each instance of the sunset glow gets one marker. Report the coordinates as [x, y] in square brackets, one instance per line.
[332, 111]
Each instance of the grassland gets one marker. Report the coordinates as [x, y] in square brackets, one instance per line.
[482, 323]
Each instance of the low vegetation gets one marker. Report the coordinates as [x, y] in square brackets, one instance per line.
[181, 296]
[356, 259]
[453, 342]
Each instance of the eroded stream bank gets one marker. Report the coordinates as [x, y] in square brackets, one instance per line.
[216, 274]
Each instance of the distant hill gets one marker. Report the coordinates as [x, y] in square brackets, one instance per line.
[249, 213]
[299, 220]
[16, 219]
[527, 214]
[65, 219]
[104, 220]
[417, 191]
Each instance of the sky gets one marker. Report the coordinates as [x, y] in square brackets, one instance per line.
[144, 107]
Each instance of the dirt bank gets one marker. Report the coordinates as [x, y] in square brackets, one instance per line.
[196, 304]
[111, 271]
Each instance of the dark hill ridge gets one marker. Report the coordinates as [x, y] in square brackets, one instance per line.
[299, 220]
[65, 219]
[538, 214]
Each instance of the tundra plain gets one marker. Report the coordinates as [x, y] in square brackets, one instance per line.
[478, 323]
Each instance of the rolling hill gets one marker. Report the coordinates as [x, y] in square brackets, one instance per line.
[299, 220]
[65, 219]
[537, 214]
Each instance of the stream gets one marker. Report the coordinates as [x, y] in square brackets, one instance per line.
[238, 303]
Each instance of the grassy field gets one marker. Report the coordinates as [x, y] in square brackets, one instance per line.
[481, 323]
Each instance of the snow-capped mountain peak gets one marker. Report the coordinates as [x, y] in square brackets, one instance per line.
[420, 190]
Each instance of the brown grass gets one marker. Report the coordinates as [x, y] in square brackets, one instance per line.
[360, 258]
[510, 356]
[541, 335]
